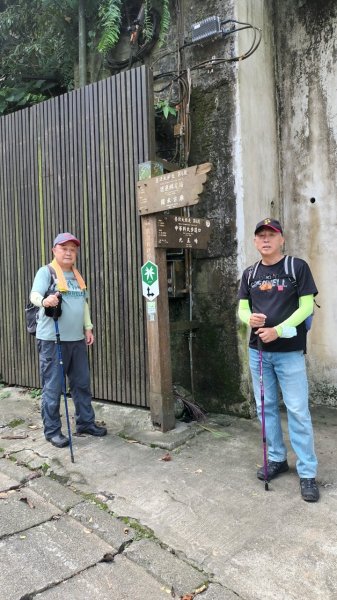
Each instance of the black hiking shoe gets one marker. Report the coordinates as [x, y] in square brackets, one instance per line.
[273, 469]
[59, 440]
[93, 429]
[309, 489]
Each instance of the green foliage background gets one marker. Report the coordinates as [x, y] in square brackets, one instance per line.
[39, 43]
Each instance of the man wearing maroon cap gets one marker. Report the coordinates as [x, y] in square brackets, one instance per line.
[275, 301]
[55, 282]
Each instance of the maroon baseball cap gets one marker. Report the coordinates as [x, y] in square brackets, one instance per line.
[63, 238]
[270, 223]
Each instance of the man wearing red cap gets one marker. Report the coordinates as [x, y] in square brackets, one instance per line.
[275, 301]
[61, 285]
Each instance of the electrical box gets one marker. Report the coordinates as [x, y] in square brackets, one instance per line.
[178, 130]
[207, 28]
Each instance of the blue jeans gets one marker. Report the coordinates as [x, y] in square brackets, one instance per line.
[75, 365]
[288, 370]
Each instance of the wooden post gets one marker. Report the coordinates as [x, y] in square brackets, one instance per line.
[156, 193]
[158, 329]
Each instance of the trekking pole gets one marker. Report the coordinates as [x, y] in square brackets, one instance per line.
[263, 420]
[64, 389]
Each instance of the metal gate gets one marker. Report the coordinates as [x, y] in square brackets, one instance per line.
[71, 164]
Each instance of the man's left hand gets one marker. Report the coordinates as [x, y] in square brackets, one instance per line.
[267, 334]
[89, 337]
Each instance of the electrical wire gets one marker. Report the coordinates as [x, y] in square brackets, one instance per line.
[214, 61]
[137, 55]
[163, 54]
[256, 40]
[226, 33]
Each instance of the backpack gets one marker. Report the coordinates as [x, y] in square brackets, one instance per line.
[32, 311]
[290, 272]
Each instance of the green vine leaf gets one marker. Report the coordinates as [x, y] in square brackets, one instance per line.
[165, 107]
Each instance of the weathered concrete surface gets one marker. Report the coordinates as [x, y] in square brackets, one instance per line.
[161, 563]
[217, 592]
[122, 580]
[172, 439]
[22, 509]
[306, 71]
[53, 492]
[45, 555]
[203, 508]
[111, 530]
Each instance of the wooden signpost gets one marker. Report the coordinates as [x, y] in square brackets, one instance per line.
[172, 190]
[158, 334]
[176, 231]
[157, 194]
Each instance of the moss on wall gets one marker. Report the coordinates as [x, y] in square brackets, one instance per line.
[220, 367]
[216, 365]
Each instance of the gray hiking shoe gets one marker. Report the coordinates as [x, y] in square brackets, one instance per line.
[273, 469]
[309, 489]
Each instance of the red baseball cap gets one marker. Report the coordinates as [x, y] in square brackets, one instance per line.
[63, 238]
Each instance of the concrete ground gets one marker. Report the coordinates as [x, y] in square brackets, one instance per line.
[146, 516]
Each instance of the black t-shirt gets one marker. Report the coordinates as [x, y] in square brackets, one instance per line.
[272, 292]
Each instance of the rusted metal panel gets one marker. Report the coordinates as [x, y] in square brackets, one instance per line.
[71, 164]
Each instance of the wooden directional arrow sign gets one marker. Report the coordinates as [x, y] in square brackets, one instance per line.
[171, 190]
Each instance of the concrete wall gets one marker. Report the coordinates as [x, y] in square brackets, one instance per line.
[256, 165]
[256, 143]
[269, 126]
[234, 126]
[216, 350]
[235, 120]
[306, 34]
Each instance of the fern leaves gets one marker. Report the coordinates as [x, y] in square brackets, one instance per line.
[165, 19]
[109, 15]
[148, 23]
[165, 22]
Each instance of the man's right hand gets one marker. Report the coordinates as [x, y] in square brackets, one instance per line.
[257, 320]
[51, 301]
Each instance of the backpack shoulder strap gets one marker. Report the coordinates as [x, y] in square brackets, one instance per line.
[52, 274]
[289, 266]
[252, 272]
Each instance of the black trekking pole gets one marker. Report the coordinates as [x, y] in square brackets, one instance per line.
[64, 389]
[263, 420]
